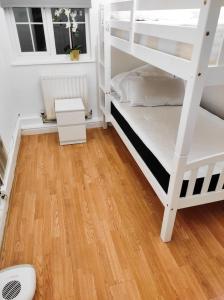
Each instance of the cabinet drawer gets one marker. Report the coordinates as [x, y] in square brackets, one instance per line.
[72, 133]
[70, 118]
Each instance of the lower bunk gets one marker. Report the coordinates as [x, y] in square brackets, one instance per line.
[150, 134]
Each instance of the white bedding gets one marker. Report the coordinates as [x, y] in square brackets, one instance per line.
[157, 127]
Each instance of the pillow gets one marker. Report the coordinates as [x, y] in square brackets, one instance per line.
[120, 82]
[155, 91]
[119, 85]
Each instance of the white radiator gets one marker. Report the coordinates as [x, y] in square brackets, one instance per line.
[59, 87]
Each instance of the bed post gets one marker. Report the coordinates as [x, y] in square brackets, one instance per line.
[208, 20]
[132, 21]
[104, 61]
[107, 60]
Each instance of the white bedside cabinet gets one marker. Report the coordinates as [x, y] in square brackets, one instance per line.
[70, 115]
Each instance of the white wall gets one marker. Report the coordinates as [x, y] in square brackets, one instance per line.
[27, 89]
[20, 90]
[122, 62]
[213, 100]
[8, 106]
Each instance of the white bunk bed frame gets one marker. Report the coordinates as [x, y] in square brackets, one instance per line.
[197, 74]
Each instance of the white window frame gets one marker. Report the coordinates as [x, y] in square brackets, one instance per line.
[49, 38]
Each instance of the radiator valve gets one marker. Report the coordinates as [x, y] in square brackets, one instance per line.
[3, 196]
[89, 115]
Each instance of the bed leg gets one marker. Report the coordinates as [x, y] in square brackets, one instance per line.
[169, 218]
[105, 125]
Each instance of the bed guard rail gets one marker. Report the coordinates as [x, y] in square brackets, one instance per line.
[156, 4]
[207, 177]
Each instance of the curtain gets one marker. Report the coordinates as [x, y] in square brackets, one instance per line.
[3, 161]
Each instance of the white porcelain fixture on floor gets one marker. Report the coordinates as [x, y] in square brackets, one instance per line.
[18, 283]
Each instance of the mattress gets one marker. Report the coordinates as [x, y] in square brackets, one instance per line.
[154, 131]
[179, 49]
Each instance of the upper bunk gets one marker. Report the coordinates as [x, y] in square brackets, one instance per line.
[155, 4]
[137, 28]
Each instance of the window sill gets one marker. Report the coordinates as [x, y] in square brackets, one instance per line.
[48, 61]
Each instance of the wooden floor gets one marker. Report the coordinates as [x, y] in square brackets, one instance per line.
[86, 217]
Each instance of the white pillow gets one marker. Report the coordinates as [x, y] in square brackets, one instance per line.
[116, 81]
[155, 91]
[120, 84]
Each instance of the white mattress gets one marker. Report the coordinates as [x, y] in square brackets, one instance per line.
[157, 127]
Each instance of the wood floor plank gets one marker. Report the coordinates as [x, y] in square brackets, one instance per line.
[89, 221]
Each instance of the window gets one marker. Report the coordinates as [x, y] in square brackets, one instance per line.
[70, 33]
[50, 31]
[30, 29]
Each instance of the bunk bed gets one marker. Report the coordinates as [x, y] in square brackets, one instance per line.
[180, 150]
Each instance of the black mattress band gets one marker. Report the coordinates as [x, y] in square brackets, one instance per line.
[158, 171]
[154, 165]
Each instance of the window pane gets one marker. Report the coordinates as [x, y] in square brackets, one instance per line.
[25, 38]
[35, 15]
[20, 14]
[39, 37]
[79, 38]
[79, 14]
[58, 15]
[61, 34]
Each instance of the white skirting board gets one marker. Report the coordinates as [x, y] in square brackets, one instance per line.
[9, 176]
[34, 125]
